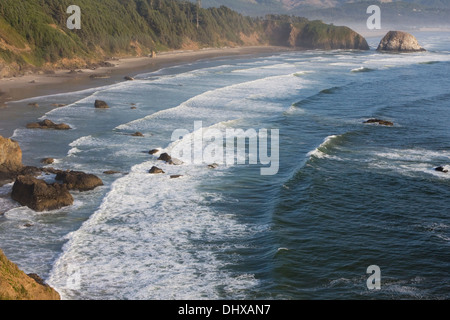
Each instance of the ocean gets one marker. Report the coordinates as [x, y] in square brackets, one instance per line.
[345, 196]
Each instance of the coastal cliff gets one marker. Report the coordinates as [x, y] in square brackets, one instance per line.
[34, 36]
[302, 33]
[16, 285]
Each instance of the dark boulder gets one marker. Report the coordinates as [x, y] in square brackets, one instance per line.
[100, 104]
[156, 170]
[40, 196]
[153, 151]
[137, 134]
[128, 78]
[76, 180]
[441, 169]
[380, 122]
[165, 157]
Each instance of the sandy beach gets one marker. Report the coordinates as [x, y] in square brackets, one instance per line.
[32, 85]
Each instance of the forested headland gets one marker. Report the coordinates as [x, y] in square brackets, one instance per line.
[34, 34]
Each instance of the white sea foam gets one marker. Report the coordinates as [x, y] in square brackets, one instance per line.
[411, 162]
[318, 153]
[158, 238]
[153, 238]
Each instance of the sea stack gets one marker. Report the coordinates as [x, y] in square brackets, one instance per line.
[399, 41]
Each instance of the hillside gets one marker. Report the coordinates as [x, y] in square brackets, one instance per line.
[395, 13]
[16, 285]
[33, 33]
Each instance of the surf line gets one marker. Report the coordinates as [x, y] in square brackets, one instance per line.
[211, 145]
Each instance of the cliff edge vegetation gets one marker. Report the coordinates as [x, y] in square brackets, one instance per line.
[16, 285]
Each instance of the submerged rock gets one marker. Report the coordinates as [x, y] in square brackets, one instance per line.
[128, 78]
[39, 195]
[77, 180]
[110, 172]
[380, 122]
[153, 151]
[138, 134]
[399, 41]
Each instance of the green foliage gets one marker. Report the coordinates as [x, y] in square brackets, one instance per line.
[114, 26]
[37, 32]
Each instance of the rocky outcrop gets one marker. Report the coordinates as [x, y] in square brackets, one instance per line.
[100, 104]
[48, 124]
[399, 41]
[304, 34]
[77, 180]
[39, 195]
[153, 151]
[380, 122]
[10, 155]
[16, 285]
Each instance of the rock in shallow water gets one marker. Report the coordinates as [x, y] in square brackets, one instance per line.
[76, 180]
[48, 124]
[39, 195]
[399, 41]
[156, 170]
[100, 104]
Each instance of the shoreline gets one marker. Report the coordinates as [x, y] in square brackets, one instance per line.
[15, 89]
[14, 113]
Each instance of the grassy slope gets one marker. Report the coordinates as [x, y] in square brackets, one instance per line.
[16, 285]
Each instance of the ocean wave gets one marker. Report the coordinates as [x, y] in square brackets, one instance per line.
[411, 162]
[362, 69]
[320, 151]
[153, 238]
[240, 100]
